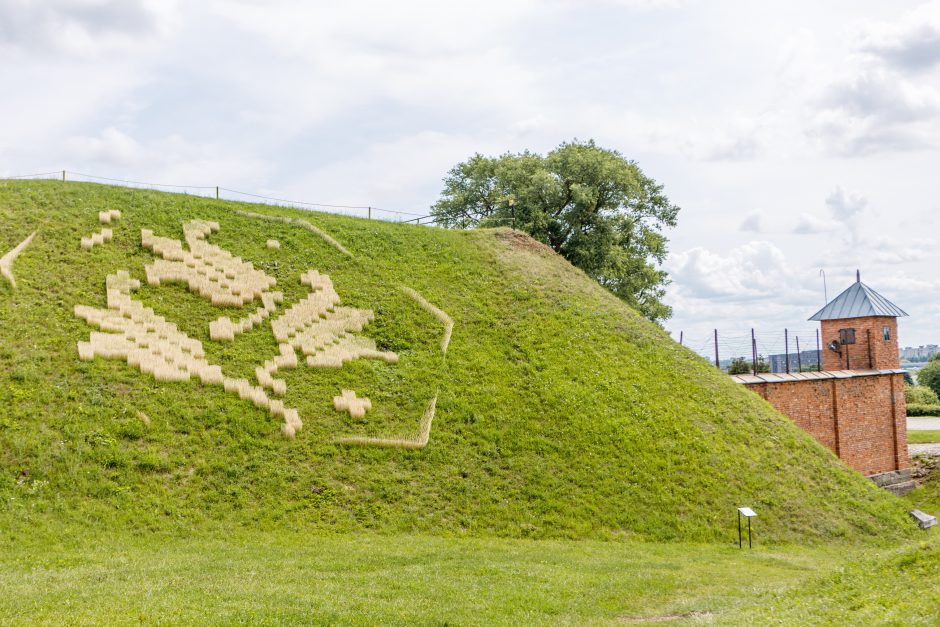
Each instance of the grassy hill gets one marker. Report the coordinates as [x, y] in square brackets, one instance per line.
[560, 412]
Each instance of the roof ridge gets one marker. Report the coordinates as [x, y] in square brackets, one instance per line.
[858, 301]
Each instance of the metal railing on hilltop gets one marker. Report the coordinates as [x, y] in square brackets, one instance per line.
[226, 193]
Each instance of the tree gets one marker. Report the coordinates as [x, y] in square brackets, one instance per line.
[920, 395]
[743, 365]
[591, 205]
[929, 375]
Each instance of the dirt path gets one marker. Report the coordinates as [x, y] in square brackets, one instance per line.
[924, 449]
[923, 424]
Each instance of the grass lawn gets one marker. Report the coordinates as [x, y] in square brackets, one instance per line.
[897, 588]
[367, 579]
[923, 437]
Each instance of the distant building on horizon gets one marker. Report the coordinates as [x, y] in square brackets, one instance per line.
[809, 359]
[921, 353]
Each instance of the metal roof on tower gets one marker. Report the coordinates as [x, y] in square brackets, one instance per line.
[858, 301]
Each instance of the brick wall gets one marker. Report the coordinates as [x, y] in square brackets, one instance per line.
[858, 418]
[883, 355]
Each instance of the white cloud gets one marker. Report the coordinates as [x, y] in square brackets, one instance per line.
[808, 224]
[365, 102]
[909, 44]
[753, 223]
[169, 160]
[883, 97]
[752, 271]
[112, 147]
[82, 27]
[844, 210]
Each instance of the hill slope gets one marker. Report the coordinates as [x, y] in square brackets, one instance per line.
[559, 411]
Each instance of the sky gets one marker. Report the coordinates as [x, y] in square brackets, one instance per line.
[798, 138]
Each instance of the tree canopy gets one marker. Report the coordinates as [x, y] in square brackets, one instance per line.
[590, 204]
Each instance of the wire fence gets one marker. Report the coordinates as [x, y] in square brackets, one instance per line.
[790, 349]
[219, 192]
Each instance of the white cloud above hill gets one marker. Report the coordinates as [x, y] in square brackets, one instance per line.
[795, 139]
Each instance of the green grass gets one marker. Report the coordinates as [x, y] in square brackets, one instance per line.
[582, 467]
[900, 588]
[561, 412]
[923, 437]
[287, 578]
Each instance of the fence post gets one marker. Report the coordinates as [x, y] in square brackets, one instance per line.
[818, 353]
[717, 365]
[799, 358]
[786, 348]
[63, 176]
[217, 192]
[680, 337]
[370, 212]
[754, 351]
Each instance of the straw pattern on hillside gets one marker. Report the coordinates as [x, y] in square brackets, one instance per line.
[6, 262]
[321, 330]
[346, 402]
[213, 273]
[105, 217]
[446, 320]
[134, 333]
[419, 441]
[302, 224]
[97, 239]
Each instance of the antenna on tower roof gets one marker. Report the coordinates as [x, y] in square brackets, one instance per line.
[858, 276]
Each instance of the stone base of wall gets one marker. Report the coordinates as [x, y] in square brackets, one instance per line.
[897, 481]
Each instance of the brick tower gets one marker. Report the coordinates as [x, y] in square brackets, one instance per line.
[859, 330]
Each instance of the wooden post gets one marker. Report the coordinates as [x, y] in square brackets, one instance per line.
[216, 192]
[370, 212]
[717, 365]
[680, 338]
[63, 176]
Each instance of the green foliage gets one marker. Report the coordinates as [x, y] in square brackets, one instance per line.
[561, 412]
[929, 375]
[920, 395]
[918, 409]
[743, 365]
[591, 205]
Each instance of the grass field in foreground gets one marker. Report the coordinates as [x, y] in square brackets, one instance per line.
[290, 578]
[923, 437]
[367, 579]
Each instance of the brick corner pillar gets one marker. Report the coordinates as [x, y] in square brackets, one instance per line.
[902, 458]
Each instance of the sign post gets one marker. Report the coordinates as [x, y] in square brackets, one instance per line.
[748, 513]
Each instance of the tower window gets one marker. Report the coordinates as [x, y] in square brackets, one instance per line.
[846, 336]
[886, 333]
